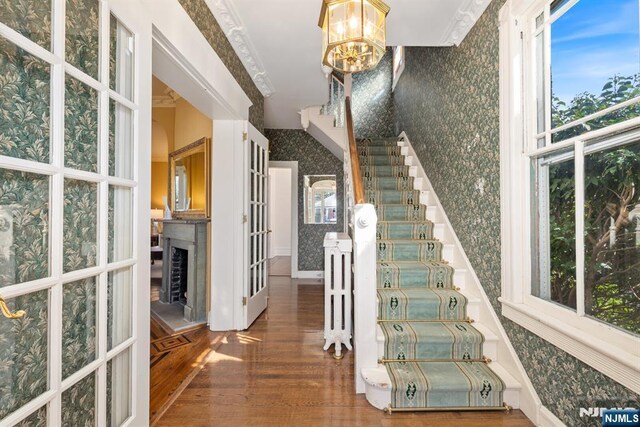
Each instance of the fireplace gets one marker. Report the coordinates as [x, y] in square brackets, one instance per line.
[184, 267]
[178, 275]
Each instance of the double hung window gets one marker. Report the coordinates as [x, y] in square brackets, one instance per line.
[570, 138]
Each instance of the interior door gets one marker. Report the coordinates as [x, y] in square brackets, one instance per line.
[257, 283]
[68, 178]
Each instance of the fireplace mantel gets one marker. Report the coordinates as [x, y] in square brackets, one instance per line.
[189, 235]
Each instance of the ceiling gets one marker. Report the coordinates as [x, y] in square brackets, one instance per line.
[279, 43]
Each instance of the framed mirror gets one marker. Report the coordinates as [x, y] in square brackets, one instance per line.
[189, 180]
[320, 201]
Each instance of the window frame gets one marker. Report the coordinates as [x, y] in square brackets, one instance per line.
[610, 350]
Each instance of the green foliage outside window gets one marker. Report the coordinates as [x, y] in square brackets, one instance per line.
[612, 271]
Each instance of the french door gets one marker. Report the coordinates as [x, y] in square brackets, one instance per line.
[68, 198]
[257, 286]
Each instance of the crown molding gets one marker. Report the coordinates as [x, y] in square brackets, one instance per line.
[464, 19]
[167, 99]
[229, 21]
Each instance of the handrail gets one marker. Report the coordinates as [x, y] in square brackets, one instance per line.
[353, 151]
[338, 76]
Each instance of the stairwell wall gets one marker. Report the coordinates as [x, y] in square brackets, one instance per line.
[372, 100]
[447, 101]
[313, 159]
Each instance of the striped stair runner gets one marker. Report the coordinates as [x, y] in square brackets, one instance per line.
[432, 353]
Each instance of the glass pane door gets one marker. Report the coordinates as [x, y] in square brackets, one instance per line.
[257, 286]
[67, 192]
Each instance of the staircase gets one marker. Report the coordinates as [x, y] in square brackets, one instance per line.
[432, 356]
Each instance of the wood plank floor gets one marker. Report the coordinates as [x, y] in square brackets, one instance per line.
[276, 374]
[175, 359]
[280, 266]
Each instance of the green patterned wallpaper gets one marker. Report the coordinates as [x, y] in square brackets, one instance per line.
[372, 100]
[23, 352]
[206, 22]
[447, 101]
[25, 207]
[313, 159]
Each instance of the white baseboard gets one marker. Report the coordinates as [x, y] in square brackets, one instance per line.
[546, 418]
[280, 252]
[310, 274]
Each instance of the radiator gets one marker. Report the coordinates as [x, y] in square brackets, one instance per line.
[337, 292]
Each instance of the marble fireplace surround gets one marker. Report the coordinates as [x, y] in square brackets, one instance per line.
[189, 235]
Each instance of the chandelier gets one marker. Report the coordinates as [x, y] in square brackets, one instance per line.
[353, 34]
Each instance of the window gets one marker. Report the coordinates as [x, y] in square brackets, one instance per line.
[398, 64]
[320, 199]
[570, 136]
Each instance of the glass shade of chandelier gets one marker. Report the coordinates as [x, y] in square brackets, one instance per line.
[353, 34]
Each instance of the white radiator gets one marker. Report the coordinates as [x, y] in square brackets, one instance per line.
[337, 292]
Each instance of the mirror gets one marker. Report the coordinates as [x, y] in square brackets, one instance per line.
[189, 180]
[320, 201]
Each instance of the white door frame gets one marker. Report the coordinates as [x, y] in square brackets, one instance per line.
[181, 49]
[293, 166]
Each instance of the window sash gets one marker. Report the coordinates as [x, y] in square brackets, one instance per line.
[608, 349]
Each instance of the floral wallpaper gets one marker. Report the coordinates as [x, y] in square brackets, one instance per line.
[23, 352]
[37, 419]
[24, 201]
[372, 100]
[313, 159]
[30, 18]
[24, 103]
[79, 403]
[80, 126]
[81, 33]
[80, 224]
[78, 325]
[25, 205]
[447, 100]
[206, 22]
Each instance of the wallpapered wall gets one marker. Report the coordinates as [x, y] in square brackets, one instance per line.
[25, 199]
[372, 100]
[206, 22]
[313, 159]
[447, 101]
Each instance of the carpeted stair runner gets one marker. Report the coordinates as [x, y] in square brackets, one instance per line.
[432, 353]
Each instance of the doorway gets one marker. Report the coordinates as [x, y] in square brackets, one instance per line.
[283, 219]
[279, 221]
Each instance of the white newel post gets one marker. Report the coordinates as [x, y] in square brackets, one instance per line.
[365, 309]
[337, 292]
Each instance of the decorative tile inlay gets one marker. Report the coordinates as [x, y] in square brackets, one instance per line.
[169, 343]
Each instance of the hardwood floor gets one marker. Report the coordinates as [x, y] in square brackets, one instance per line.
[280, 266]
[276, 374]
[175, 359]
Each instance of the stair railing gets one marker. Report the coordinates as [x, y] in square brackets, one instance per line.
[335, 100]
[362, 223]
[360, 226]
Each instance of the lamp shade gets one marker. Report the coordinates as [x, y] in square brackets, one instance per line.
[353, 34]
[157, 213]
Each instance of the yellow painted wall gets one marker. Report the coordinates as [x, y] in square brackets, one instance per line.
[166, 117]
[159, 183]
[183, 125]
[190, 125]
